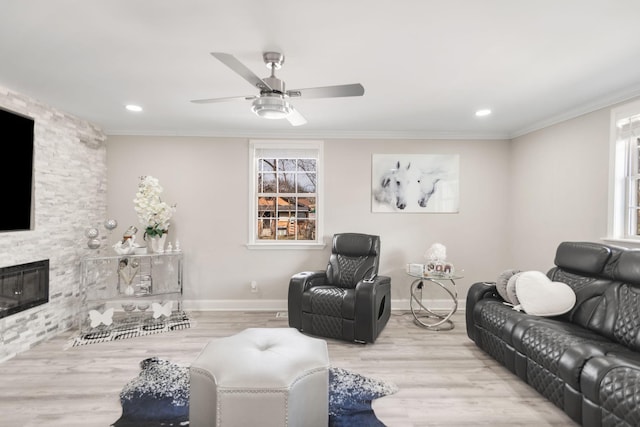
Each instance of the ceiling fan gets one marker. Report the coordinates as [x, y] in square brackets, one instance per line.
[272, 102]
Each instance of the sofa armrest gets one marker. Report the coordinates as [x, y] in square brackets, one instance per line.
[478, 291]
[597, 368]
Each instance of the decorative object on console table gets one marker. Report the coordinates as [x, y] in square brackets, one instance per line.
[153, 213]
[92, 235]
[157, 244]
[418, 269]
[110, 224]
[128, 243]
[436, 258]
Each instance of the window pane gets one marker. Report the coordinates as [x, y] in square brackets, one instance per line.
[287, 165]
[306, 229]
[266, 206]
[267, 165]
[265, 229]
[266, 218]
[286, 207]
[286, 229]
[307, 165]
[286, 182]
[267, 183]
[306, 207]
[306, 182]
[637, 222]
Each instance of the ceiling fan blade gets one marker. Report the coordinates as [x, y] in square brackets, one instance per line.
[237, 66]
[295, 118]
[355, 89]
[230, 98]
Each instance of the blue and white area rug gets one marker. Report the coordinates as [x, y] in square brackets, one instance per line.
[159, 397]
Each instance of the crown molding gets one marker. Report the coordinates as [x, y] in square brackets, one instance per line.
[605, 102]
[295, 134]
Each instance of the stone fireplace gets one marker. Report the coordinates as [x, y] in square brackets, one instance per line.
[23, 286]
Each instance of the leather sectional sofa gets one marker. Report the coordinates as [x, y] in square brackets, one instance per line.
[586, 361]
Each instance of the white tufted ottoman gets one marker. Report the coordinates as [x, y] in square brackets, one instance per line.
[261, 377]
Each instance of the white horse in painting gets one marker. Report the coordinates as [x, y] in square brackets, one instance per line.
[394, 186]
[427, 186]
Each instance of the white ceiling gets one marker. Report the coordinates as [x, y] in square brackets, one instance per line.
[426, 65]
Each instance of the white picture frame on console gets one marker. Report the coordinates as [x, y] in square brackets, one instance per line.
[415, 183]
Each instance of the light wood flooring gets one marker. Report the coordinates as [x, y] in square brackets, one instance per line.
[443, 378]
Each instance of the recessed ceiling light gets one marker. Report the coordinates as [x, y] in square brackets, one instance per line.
[483, 112]
[135, 108]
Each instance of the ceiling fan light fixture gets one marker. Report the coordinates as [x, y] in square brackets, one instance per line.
[271, 107]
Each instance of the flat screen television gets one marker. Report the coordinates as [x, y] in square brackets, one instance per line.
[16, 174]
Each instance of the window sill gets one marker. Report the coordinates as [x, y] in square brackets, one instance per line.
[622, 241]
[280, 246]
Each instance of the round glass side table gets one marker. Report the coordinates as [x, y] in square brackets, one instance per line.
[426, 317]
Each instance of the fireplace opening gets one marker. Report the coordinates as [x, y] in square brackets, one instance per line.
[23, 286]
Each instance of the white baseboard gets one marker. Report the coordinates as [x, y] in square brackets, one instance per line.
[235, 305]
[281, 305]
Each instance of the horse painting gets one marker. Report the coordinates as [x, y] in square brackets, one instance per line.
[419, 183]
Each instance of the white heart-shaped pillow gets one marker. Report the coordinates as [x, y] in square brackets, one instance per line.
[539, 296]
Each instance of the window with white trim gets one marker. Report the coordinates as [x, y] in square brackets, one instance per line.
[285, 193]
[624, 215]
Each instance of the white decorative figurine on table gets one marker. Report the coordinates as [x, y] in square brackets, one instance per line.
[439, 272]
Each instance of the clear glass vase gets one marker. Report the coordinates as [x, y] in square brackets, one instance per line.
[157, 243]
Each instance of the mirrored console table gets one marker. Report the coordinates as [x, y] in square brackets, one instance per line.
[127, 290]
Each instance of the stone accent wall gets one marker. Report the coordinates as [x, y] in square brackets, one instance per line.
[70, 195]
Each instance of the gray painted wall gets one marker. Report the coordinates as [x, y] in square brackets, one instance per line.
[207, 178]
[559, 192]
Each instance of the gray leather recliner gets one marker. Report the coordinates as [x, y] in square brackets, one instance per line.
[348, 301]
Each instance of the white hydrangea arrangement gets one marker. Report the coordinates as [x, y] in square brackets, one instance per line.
[437, 252]
[153, 213]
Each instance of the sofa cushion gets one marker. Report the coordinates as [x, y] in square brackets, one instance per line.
[584, 257]
[628, 267]
[539, 296]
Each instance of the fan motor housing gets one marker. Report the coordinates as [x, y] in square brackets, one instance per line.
[276, 85]
[273, 60]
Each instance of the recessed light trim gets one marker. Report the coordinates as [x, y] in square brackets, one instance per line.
[133, 107]
[483, 112]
